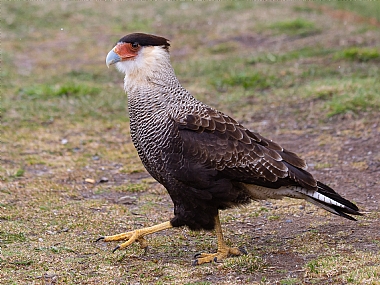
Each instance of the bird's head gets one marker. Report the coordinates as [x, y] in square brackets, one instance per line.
[139, 53]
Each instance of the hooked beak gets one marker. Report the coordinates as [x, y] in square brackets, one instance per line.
[121, 52]
[112, 58]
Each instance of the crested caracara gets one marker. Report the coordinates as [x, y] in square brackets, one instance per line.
[205, 159]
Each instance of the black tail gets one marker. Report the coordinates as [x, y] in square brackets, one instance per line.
[334, 203]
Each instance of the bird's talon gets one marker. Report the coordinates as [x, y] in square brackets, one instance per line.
[195, 262]
[215, 259]
[100, 238]
[197, 255]
[116, 248]
[143, 243]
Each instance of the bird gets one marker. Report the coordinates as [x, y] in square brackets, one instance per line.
[206, 160]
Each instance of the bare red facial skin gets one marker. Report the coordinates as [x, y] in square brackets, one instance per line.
[126, 51]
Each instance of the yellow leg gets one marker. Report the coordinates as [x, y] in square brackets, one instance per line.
[136, 235]
[223, 250]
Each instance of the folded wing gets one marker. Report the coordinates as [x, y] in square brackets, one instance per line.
[218, 142]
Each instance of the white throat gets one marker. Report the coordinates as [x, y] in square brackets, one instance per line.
[151, 64]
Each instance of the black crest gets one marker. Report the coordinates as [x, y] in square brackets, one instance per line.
[145, 40]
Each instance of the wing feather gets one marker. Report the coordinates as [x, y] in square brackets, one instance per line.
[218, 141]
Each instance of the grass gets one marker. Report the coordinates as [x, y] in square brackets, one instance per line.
[44, 92]
[246, 264]
[290, 281]
[255, 81]
[348, 95]
[297, 27]
[340, 269]
[11, 238]
[359, 54]
[293, 72]
[370, 9]
[299, 54]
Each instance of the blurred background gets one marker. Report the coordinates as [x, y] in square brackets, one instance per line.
[305, 74]
[256, 48]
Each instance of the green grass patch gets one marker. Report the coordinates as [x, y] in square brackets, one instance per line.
[46, 91]
[236, 5]
[24, 16]
[350, 102]
[22, 262]
[303, 9]
[223, 48]
[290, 281]
[7, 238]
[359, 54]
[358, 268]
[368, 9]
[88, 76]
[297, 27]
[44, 103]
[254, 80]
[244, 264]
[336, 96]
[135, 23]
[273, 218]
[18, 173]
[133, 187]
[305, 52]
[312, 266]
[356, 98]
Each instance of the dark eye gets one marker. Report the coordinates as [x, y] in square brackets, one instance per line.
[135, 45]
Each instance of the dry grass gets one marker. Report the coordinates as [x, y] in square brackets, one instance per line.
[69, 171]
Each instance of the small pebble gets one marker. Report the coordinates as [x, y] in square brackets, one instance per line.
[103, 180]
[89, 180]
[126, 200]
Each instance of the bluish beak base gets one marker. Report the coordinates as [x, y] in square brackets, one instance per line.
[112, 58]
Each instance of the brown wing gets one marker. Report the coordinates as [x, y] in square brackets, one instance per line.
[217, 141]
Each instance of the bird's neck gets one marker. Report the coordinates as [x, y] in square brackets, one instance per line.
[155, 85]
[149, 69]
[152, 77]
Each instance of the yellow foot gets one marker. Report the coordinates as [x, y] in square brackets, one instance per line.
[221, 254]
[130, 237]
[136, 236]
